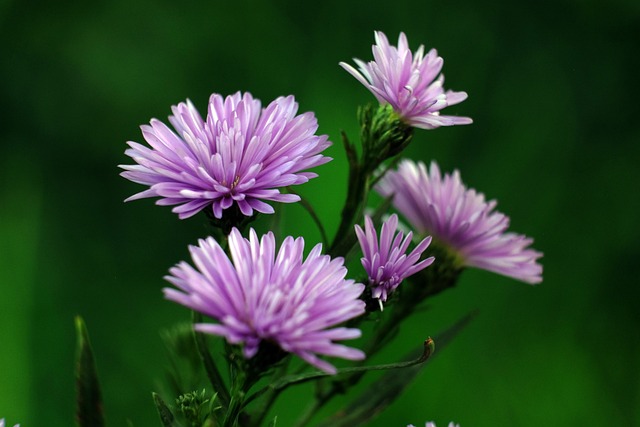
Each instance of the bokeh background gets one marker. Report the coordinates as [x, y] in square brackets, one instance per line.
[552, 90]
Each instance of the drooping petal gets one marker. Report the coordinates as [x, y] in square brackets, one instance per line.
[461, 219]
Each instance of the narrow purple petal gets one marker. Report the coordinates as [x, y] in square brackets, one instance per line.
[265, 293]
[461, 219]
[239, 155]
[410, 83]
[386, 263]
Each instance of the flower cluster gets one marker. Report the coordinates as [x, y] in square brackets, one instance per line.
[261, 297]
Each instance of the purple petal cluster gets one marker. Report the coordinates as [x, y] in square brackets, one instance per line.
[461, 219]
[240, 155]
[410, 83]
[264, 294]
[386, 262]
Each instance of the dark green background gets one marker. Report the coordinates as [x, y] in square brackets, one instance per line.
[552, 89]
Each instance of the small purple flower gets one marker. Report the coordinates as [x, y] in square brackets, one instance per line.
[408, 83]
[261, 294]
[387, 263]
[461, 219]
[241, 154]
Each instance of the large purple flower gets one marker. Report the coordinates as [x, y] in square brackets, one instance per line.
[387, 263]
[261, 294]
[241, 154]
[461, 219]
[408, 83]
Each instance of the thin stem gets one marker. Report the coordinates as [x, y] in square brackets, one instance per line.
[357, 194]
[307, 206]
[209, 365]
[238, 394]
[271, 396]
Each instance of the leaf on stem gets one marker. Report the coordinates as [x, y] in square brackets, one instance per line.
[283, 383]
[377, 397]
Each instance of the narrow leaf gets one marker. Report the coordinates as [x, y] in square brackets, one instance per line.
[389, 387]
[89, 410]
[166, 417]
[280, 385]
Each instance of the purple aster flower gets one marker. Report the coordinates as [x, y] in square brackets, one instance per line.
[239, 155]
[461, 219]
[387, 263]
[276, 296]
[408, 83]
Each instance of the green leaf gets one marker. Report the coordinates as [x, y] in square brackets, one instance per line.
[89, 410]
[283, 383]
[273, 422]
[166, 417]
[377, 397]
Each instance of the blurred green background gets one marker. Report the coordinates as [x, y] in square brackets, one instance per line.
[552, 90]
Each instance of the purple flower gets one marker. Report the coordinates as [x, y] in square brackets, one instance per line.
[461, 219]
[239, 155]
[408, 83]
[263, 294]
[387, 263]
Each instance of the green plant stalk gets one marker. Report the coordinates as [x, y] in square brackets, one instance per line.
[270, 396]
[357, 195]
[238, 394]
[210, 367]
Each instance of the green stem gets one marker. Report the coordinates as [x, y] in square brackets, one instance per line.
[357, 194]
[271, 394]
[307, 206]
[210, 367]
[238, 394]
